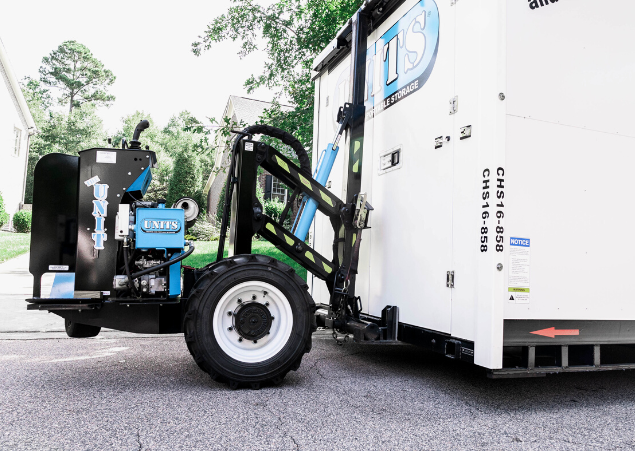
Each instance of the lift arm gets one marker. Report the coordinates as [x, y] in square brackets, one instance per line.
[250, 218]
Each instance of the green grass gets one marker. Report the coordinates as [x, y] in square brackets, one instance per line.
[13, 244]
[205, 253]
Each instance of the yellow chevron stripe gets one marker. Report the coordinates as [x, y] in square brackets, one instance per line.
[270, 227]
[305, 182]
[327, 268]
[326, 198]
[290, 241]
[282, 163]
[309, 255]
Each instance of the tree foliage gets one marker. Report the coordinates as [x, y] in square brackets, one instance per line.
[182, 147]
[58, 132]
[69, 133]
[78, 75]
[292, 33]
[186, 179]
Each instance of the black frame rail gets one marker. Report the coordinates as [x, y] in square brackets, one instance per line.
[251, 220]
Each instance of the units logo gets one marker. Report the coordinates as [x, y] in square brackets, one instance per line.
[399, 63]
[161, 226]
[100, 212]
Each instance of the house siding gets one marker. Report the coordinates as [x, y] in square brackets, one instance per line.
[12, 167]
[14, 117]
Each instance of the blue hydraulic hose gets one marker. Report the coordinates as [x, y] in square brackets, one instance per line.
[323, 172]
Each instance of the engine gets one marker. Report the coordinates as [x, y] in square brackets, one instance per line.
[152, 236]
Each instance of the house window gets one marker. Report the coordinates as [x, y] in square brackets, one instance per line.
[278, 190]
[18, 139]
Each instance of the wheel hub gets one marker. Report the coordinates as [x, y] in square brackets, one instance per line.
[252, 321]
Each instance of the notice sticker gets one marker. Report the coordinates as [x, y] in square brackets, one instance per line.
[249, 147]
[518, 277]
[106, 157]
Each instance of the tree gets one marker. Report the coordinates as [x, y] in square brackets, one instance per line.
[58, 132]
[79, 76]
[186, 179]
[69, 133]
[293, 33]
[37, 98]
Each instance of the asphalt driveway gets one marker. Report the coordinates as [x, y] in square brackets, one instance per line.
[147, 393]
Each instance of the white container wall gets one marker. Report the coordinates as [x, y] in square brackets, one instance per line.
[513, 128]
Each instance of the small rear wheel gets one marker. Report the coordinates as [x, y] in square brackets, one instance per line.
[249, 321]
[76, 330]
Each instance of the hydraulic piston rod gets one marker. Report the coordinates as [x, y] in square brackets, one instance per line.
[325, 165]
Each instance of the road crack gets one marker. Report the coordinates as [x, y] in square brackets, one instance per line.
[316, 361]
[281, 425]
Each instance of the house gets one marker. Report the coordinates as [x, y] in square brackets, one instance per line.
[16, 127]
[240, 111]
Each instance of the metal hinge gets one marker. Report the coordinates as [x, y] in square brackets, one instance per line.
[454, 105]
[449, 279]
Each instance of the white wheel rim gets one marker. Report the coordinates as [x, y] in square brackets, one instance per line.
[266, 347]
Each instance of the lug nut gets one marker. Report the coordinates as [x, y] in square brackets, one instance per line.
[240, 301]
[229, 313]
[272, 318]
[240, 339]
[230, 328]
[253, 297]
[264, 293]
[255, 341]
[266, 304]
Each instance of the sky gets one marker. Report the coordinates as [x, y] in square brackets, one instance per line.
[146, 44]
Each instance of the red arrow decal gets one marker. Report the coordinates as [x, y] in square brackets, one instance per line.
[552, 332]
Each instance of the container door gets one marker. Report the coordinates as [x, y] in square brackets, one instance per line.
[412, 174]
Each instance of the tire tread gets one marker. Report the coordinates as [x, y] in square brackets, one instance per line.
[197, 296]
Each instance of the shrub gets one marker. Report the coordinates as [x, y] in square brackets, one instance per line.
[204, 230]
[22, 221]
[274, 208]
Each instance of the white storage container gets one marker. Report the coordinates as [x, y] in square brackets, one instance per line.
[499, 152]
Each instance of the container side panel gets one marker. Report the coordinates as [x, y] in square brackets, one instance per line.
[569, 192]
[570, 152]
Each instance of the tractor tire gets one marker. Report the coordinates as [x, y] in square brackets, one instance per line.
[76, 330]
[249, 321]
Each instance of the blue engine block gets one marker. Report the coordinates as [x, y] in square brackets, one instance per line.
[162, 229]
